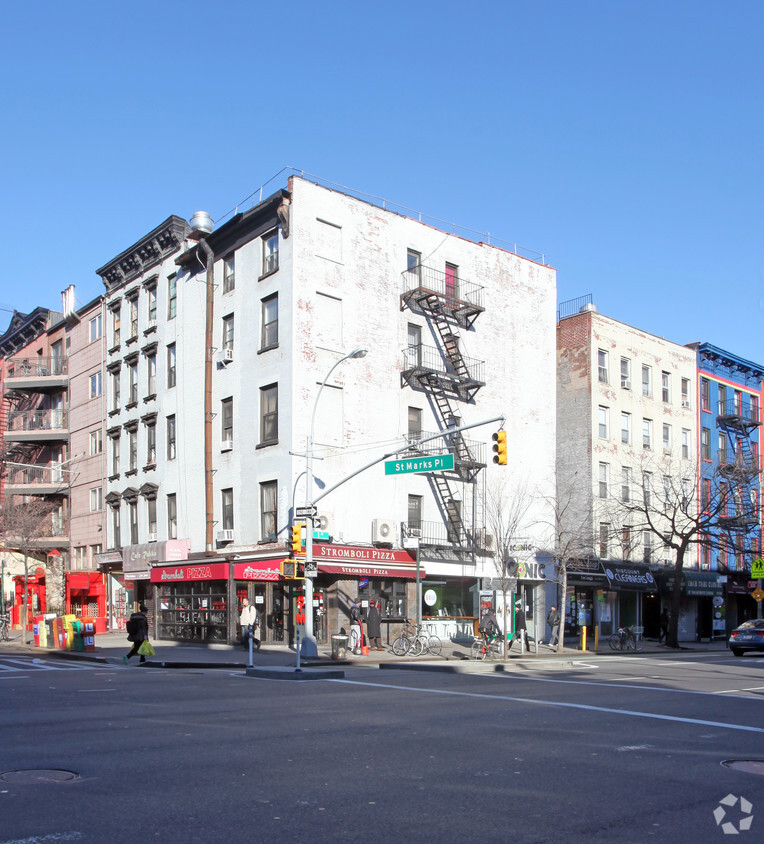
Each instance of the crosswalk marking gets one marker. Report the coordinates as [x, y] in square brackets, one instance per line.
[14, 665]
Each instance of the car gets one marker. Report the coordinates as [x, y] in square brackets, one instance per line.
[748, 637]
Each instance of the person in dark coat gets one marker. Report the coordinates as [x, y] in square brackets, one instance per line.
[373, 627]
[664, 623]
[520, 631]
[356, 627]
[137, 633]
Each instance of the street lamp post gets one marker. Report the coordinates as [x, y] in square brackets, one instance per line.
[309, 648]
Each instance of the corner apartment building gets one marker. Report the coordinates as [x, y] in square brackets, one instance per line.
[218, 345]
[625, 407]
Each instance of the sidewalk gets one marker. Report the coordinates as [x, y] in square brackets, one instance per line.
[111, 647]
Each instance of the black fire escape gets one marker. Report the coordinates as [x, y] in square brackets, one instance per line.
[450, 379]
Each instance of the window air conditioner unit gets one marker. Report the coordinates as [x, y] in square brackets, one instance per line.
[485, 539]
[226, 445]
[152, 537]
[626, 384]
[382, 531]
[414, 531]
[225, 355]
[225, 536]
[685, 403]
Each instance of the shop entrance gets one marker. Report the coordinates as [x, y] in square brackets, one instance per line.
[196, 611]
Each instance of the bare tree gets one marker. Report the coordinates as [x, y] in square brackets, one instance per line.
[506, 517]
[23, 525]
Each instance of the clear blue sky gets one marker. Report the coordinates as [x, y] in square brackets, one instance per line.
[621, 139]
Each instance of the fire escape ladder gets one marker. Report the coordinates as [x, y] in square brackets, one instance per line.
[451, 507]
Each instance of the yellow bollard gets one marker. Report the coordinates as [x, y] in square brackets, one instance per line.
[596, 639]
[583, 638]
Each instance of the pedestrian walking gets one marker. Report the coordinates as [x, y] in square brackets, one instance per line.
[356, 628]
[250, 624]
[553, 620]
[664, 624]
[374, 626]
[520, 630]
[137, 632]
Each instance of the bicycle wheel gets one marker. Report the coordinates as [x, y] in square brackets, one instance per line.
[401, 646]
[478, 651]
[639, 643]
[418, 646]
[615, 642]
[434, 645]
[497, 650]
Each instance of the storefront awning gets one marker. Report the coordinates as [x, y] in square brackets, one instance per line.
[258, 570]
[695, 584]
[137, 559]
[613, 576]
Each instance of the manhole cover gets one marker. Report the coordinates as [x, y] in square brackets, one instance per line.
[748, 766]
[31, 777]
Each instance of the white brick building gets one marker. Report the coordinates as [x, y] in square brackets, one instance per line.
[456, 331]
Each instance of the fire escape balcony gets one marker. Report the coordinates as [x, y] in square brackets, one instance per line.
[426, 289]
[36, 374]
[468, 454]
[739, 415]
[427, 368]
[741, 467]
[744, 521]
[439, 535]
[37, 426]
[36, 480]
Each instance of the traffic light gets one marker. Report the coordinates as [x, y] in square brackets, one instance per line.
[297, 538]
[290, 570]
[500, 448]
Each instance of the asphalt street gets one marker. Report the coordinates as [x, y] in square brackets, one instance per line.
[626, 749]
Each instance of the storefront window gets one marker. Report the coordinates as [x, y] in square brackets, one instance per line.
[193, 611]
[390, 593]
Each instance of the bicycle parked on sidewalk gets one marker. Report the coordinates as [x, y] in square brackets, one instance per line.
[627, 639]
[5, 626]
[416, 640]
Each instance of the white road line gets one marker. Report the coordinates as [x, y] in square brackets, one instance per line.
[731, 691]
[533, 702]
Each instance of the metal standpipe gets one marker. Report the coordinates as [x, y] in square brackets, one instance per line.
[251, 640]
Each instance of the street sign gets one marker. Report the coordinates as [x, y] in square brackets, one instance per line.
[305, 512]
[757, 568]
[311, 570]
[431, 463]
[757, 594]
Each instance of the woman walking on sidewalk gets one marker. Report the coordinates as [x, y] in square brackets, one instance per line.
[137, 632]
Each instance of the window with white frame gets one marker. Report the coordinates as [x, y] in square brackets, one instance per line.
[116, 526]
[602, 366]
[705, 444]
[705, 394]
[414, 348]
[625, 541]
[226, 420]
[647, 434]
[603, 422]
[95, 328]
[228, 331]
[647, 489]
[132, 448]
[132, 517]
[115, 389]
[604, 482]
[151, 442]
[132, 311]
[171, 366]
[666, 438]
[95, 385]
[229, 274]
[151, 371]
[647, 546]
[666, 387]
[96, 441]
[268, 510]
[172, 297]
[626, 428]
[151, 515]
[647, 381]
[414, 512]
[226, 500]
[604, 540]
[171, 437]
[685, 443]
[626, 373]
[269, 414]
[625, 484]
[270, 252]
[414, 423]
[413, 267]
[151, 310]
[270, 322]
[115, 325]
[685, 392]
[96, 499]
[667, 490]
[172, 516]
[132, 380]
[114, 440]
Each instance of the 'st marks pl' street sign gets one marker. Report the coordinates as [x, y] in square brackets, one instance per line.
[431, 463]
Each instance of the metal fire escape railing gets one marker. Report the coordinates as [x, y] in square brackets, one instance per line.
[448, 377]
[739, 466]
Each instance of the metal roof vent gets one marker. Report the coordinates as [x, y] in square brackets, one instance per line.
[588, 308]
[201, 225]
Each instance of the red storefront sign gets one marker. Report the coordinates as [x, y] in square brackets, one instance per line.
[258, 570]
[192, 571]
[367, 562]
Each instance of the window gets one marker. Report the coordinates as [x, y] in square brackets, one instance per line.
[414, 350]
[647, 381]
[667, 489]
[647, 433]
[647, 550]
[603, 423]
[721, 399]
[414, 423]
[452, 281]
[95, 328]
[647, 489]
[414, 267]
[151, 371]
[172, 517]
[115, 390]
[152, 309]
[226, 420]
[96, 441]
[686, 494]
[171, 437]
[172, 297]
[270, 253]
[229, 276]
[115, 527]
[685, 392]
[171, 371]
[115, 330]
[415, 512]
[228, 331]
[268, 510]
[95, 385]
[115, 441]
[226, 499]
[602, 366]
[603, 480]
[132, 513]
[269, 414]
[625, 541]
[705, 394]
[132, 310]
[625, 484]
[705, 444]
[754, 412]
[151, 515]
[705, 494]
[626, 428]
[685, 443]
[151, 443]
[737, 405]
[270, 322]
[132, 377]
[604, 536]
[722, 448]
[96, 499]
[626, 373]
[132, 447]
[666, 438]
[666, 387]
[705, 554]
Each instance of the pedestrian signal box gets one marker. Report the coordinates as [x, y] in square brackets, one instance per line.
[290, 570]
[500, 448]
[297, 538]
